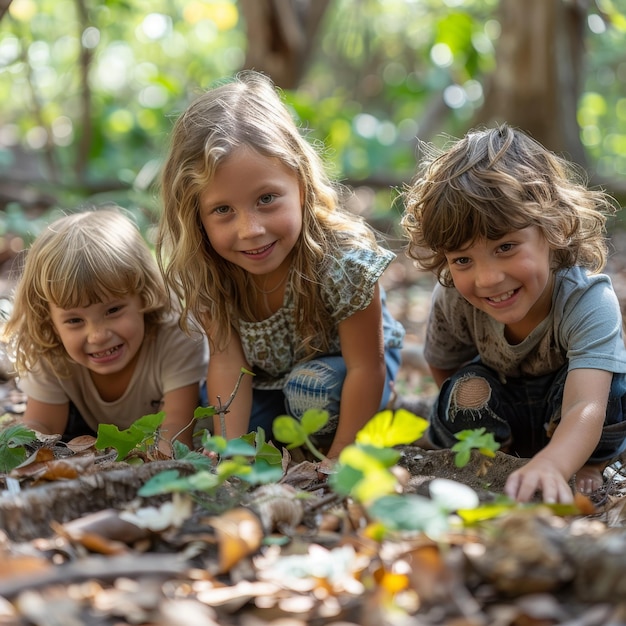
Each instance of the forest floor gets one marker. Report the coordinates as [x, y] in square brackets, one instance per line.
[79, 546]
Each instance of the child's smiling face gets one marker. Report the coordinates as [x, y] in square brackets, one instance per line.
[252, 213]
[104, 337]
[510, 279]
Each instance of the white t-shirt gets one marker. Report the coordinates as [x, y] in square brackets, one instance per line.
[168, 359]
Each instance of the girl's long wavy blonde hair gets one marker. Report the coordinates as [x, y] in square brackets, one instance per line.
[247, 111]
[495, 181]
[78, 260]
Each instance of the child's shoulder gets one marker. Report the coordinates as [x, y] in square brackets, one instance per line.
[578, 278]
[575, 286]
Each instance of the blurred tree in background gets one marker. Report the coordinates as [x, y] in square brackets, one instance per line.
[90, 88]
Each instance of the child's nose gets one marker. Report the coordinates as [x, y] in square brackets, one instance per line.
[487, 276]
[250, 225]
[98, 333]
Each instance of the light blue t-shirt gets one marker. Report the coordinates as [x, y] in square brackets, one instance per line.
[582, 330]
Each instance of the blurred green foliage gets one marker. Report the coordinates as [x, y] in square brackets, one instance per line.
[92, 95]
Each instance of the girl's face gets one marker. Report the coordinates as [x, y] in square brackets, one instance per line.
[104, 337]
[509, 279]
[252, 213]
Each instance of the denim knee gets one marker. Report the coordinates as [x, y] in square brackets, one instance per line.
[316, 384]
[465, 403]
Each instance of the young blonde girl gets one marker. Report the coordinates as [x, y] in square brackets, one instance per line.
[256, 242]
[525, 335]
[92, 334]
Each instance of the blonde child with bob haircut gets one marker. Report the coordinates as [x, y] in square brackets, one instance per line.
[93, 334]
[524, 336]
[258, 245]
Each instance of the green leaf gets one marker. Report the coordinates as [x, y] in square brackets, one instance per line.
[213, 443]
[163, 482]
[204, 411]
[374, 485]
[269, 454]
[197, 459]
[485, 512]
[462, 458]
[237, 466]
[148, 424]
[236, 447]
[367, 458]
[12, 440]
[110, 436]
[314, 420]
[475, 439]
[410, 512]
[288, 430]
[345, 479]
[261, 472]
[391, 428]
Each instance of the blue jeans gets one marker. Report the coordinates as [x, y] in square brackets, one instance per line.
[315, 384]
[522, 413]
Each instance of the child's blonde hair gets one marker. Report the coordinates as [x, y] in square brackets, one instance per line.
[246, 111]
[78, 260]
[499, 180]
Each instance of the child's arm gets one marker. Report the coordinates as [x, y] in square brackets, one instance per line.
[361, 337]
[178, 406]
[440, 375]
[46, 418]
[585, 397]
[224, 371]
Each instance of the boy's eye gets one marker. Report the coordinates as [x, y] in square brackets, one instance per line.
[506, 247]
[462, 260]
[114, 309]
[73, 321]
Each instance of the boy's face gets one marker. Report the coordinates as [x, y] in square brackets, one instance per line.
[104, 337]
[510, 279]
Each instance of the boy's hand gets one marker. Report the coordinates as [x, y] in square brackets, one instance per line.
[542, 475]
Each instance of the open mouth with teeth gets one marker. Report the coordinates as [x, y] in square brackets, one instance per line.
[502, 297]
[105, 353]
[259, 250]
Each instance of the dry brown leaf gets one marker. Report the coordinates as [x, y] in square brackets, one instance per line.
[12, 566]
[239, 533]
[82, 443]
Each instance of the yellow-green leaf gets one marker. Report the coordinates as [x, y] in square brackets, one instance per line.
[392, 428]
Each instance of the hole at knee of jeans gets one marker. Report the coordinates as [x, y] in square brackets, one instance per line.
[472, 392]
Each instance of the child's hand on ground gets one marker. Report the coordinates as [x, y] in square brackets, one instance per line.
[539, 475]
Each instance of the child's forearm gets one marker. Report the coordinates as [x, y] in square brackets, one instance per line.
[360, 400]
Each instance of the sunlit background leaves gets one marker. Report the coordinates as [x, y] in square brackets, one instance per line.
[379, 71]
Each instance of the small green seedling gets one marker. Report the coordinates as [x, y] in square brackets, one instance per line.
[141, 435]
[297, 433]
[249, 458]
[476, 439]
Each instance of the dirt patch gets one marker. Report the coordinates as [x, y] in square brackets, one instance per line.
[487, 476]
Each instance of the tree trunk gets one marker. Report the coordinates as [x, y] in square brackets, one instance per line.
[4, 7]
[281, 34]
[537, 80]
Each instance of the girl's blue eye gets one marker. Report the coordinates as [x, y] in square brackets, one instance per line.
[266, 198]
[221, 210]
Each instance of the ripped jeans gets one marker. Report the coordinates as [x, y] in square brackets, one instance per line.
[522, 413]
[315, 384]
